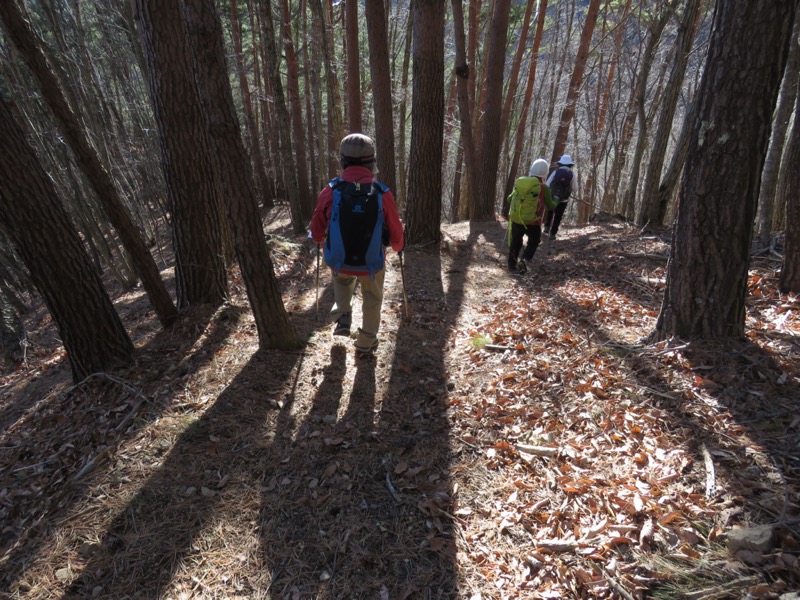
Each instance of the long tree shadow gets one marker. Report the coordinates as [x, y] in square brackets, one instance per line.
[357, 503]
[80, 431]
[208, 475]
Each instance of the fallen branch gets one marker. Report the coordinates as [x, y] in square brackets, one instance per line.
[711, 478]
[658, 257]
[392, 491]
[547, 451]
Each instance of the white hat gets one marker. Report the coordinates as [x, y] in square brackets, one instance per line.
[566, 161]
[539, 168]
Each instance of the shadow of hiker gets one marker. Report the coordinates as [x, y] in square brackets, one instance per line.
[354, 501]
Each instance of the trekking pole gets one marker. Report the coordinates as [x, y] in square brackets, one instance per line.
[317, 282]
[403, 280]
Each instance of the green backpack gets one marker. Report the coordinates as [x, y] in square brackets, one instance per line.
[525, 207]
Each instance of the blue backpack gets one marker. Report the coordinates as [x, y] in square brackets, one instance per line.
[355, 230]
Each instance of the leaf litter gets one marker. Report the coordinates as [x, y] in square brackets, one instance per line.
[512, 437]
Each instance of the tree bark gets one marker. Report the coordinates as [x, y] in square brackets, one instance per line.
[790, 270]
[353, 66]
[30, 210]
[483, 208]
[423, 214]
[23, 37]
[650, 210]
[197, 215]
[521, 136]
[462, 73]
[780, 127]
[710, 254]
[568, 113]
[272, 322]
[247, 102]
[381, 91]
[305, 197]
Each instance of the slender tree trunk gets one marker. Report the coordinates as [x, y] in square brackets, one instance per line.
[296, 114]
[272, 322]
[197, 227]
[381, 90]
[282, 120]
[403, 114]
[511, 89]
[247, 102]
[780, 127]
[602, 112]
[671, 178]
[353, 65]
[483, 207]
[790, 269]
[462, 72]
[32, 214]
[423, 215]
[710, 254]
[23, 37]
[568, 113]
[643, 88]
[649, 211]
[335, 130]
[521, 135]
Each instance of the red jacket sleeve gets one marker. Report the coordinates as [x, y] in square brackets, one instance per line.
[322, 215]
[392, 220]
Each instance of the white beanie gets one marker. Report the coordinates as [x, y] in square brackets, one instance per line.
[539, 168]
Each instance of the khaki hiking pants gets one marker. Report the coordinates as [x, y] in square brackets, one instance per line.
[371, 301]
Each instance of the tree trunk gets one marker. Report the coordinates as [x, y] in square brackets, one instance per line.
[511, 88]
[483, 208]
[24, 38]
[92, 333]
[296, 114]
[597, 146]
[282, 119]
[423, 214]
[462, 73]
[381, 91]
[335, 131]
[780, 127]
[247, 102]
[403, 113]
[568, 113]
[710, 255]
[650, 208]
[196, 208]
[521, 136]
[272, 322]
[790, 270]
[670, 180]
[353, 66]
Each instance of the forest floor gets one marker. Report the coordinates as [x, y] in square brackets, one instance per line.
[512, 437]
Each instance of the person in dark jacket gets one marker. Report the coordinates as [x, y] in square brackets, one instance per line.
[563, 183]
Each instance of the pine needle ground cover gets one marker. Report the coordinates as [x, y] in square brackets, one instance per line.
[512, 437]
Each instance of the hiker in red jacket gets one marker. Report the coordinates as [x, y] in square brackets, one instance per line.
[355, 217]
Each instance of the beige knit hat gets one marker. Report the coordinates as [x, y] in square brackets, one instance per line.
[358, 148]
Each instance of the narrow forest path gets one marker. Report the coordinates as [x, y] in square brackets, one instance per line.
[512, 437]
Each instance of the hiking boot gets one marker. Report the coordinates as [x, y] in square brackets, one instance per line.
[522, 267]
[343, 325]
[364, 350]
